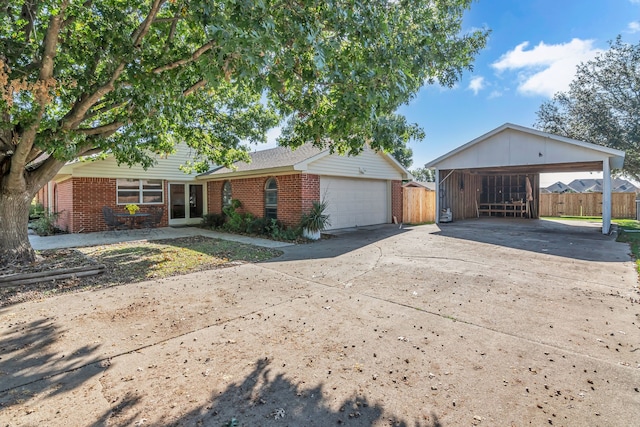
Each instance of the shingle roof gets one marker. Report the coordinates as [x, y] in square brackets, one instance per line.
[595, 185]
[272, 158]
[559, 187]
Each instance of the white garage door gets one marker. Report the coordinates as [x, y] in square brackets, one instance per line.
[355, 202]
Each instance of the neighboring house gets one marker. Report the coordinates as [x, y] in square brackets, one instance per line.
[431, 186]
[618, 185]
[282, 183]
[81, 188]
[558, 187]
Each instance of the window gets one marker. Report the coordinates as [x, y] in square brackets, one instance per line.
[142, 191]
[226, 194]
[271, 199]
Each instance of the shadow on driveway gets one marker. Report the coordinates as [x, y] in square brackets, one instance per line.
[569, 239]
[340, 242]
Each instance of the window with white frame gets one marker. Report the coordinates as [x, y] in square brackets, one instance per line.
[271, 199]
[226, 194]
[140, 191]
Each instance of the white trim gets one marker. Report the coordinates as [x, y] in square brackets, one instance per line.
[606, 197]
[616, 157]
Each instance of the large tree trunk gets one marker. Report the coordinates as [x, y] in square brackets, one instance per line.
[14, 219]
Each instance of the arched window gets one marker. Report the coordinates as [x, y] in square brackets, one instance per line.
[226, 194]
[271, 199]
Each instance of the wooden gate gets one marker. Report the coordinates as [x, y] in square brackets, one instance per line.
[418, 205]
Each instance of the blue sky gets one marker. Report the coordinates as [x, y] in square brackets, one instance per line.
[532, 52]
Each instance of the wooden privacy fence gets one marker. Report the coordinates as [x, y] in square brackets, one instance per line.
[418, 205]
[623, 205]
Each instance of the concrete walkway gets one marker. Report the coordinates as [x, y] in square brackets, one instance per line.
[107, 237]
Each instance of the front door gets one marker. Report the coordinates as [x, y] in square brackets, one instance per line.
[186, 203]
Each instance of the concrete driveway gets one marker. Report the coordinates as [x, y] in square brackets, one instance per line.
[474, 323]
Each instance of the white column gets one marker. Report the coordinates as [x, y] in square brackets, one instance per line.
[606, 197]
[437, 196]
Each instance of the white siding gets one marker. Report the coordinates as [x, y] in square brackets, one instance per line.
[355, 202]
[367, 164]
[514, 148]
[166, 168]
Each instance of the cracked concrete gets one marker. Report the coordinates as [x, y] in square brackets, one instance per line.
[475, 323]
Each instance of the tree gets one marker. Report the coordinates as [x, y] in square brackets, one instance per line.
[602, 105]
[423, 175]
[133, 78]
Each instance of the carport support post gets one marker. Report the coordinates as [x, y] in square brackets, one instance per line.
[437, 179]
[606, 197]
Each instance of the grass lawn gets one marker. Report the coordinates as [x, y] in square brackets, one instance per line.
[132, 262]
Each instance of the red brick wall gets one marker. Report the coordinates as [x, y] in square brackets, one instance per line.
[214, 196]
[310, 191]
[80, 202]
[396, 200]
[295, 194]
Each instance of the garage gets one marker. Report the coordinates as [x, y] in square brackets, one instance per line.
[354, 202]
[498, 174]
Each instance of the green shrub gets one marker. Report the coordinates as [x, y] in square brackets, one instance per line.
[36, 210]
[316, 219]
[257, 226]
[46, 224]
[213, 220]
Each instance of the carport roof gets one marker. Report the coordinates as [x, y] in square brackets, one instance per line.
[520, 148]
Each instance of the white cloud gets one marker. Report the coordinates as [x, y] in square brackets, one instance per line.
[495, 94]
[546, 69]
[476, 84]
[634, 26]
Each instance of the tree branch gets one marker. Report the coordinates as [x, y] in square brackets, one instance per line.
[41, 93]
[143, 29]
[102, 130]
[202, 83]
[77, 114]
[194, 56]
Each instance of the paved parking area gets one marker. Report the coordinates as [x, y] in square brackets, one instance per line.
[485, 322]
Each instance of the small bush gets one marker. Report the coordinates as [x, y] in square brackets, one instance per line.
[46, 224]
[257, 226]
[213, 220]
[36, 210]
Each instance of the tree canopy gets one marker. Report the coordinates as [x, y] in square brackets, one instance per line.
[134, 77]
[423, 175]
[602, 105]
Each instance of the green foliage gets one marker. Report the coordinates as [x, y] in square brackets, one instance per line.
[423, 175]
[45, 225]
[36, 210]
[316, 219]
[276, 230]
[133, 78]
[602, 104]
[246, 223]
[213, 220]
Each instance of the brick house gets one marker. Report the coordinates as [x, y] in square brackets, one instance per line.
[282, 183]
[81, 188]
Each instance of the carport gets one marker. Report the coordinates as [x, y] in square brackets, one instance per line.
[498, 173]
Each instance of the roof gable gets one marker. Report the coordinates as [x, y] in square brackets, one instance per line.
[513, 145]
[308, 158]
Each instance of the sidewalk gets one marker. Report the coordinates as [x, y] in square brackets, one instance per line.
[60, 241]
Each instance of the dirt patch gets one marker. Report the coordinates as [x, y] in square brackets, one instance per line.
[129, 262]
